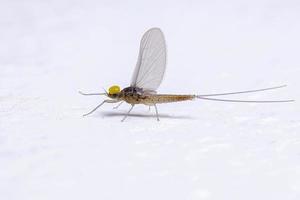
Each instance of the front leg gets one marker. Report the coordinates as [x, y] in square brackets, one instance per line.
[105, 101]
[116, 107]
[132, 105]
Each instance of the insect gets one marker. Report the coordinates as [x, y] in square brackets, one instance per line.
[148, 75]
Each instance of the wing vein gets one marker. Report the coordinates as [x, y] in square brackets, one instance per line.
[151, 64]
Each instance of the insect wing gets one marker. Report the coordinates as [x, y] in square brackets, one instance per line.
[151, 64]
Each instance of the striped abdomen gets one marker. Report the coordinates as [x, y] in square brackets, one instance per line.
[166, 98]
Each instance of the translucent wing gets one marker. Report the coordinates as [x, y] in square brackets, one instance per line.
[151, 64]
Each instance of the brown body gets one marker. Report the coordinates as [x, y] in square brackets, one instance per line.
[133, 96]
[155, 98]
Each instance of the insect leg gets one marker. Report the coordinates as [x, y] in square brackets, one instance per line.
[87, 94]
[156, 112]
[116, 107]
[127, 113]
[105, 101]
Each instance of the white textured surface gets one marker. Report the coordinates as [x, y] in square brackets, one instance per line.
[199, 150]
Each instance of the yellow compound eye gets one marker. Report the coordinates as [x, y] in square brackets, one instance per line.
[114, 89]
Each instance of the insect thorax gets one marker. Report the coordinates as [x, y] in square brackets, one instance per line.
[132, 95]
[133, 91]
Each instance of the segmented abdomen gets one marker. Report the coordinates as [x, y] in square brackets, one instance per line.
[166, 98]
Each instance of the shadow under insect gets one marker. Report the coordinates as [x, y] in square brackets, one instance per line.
[122, 114]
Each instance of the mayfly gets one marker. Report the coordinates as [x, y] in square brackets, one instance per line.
[148, 75]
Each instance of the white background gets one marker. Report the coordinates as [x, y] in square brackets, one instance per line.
[199, 150]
